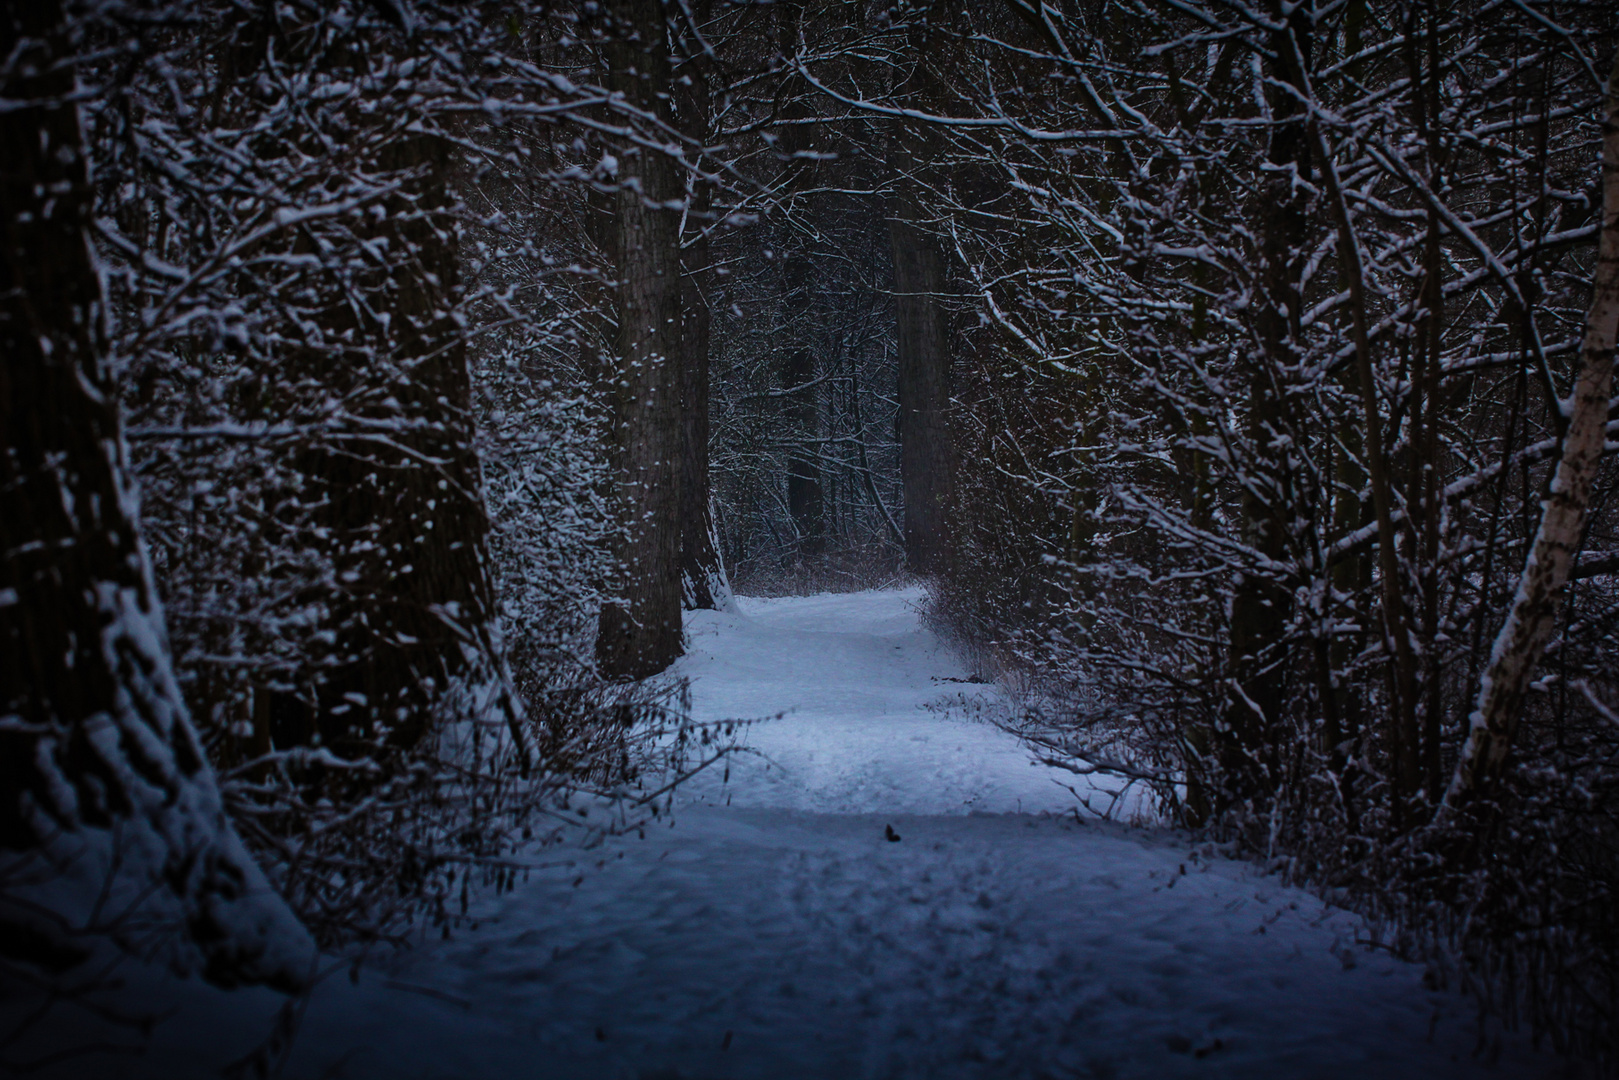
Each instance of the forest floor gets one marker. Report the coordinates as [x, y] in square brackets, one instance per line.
[773, 929]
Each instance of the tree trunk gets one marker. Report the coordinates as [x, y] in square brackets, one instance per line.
[408, 518]
[1522, 640]
[922, 323]
[99, 761]
[395, 480]
[640, 633]
[924, 386]
[1249, 751]
[704, 586]
[806, 496]
[806, 501]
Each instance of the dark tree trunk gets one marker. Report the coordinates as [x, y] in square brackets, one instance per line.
[924, 386]
[395, 480]
[408, 519]
[640, 634]
[922, 323]
[702, 573]
[806, 501]
[99, 755]
[1250, 750]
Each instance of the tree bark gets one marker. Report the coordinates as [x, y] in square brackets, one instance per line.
[1522, 640]
[922, 324]
[395, 483]
[408, 521]
[704, 586]
[923, 341]
[640, 632]
[806, 495]
[703, 582]
[806, 500]
[98, 756]
[1249, 750]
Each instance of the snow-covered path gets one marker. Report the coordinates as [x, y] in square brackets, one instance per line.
[772, 930]
[855, 675]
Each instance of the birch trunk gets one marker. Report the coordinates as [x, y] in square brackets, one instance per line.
[1522, 640]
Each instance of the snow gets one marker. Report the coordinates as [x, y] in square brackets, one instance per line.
[771, 930]
[854, 675]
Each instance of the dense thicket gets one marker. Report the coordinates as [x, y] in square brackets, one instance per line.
[1283, 310]
[335, 264]
[297, 274]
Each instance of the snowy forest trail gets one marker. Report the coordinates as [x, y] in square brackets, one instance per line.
[859, 697]
[772, 930]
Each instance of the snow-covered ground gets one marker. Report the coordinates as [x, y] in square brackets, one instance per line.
[773, 930]
[860, 685]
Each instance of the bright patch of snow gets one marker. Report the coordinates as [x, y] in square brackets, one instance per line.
[854, 676]
[785, 936]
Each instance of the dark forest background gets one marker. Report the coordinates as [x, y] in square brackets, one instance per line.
[384, 377]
